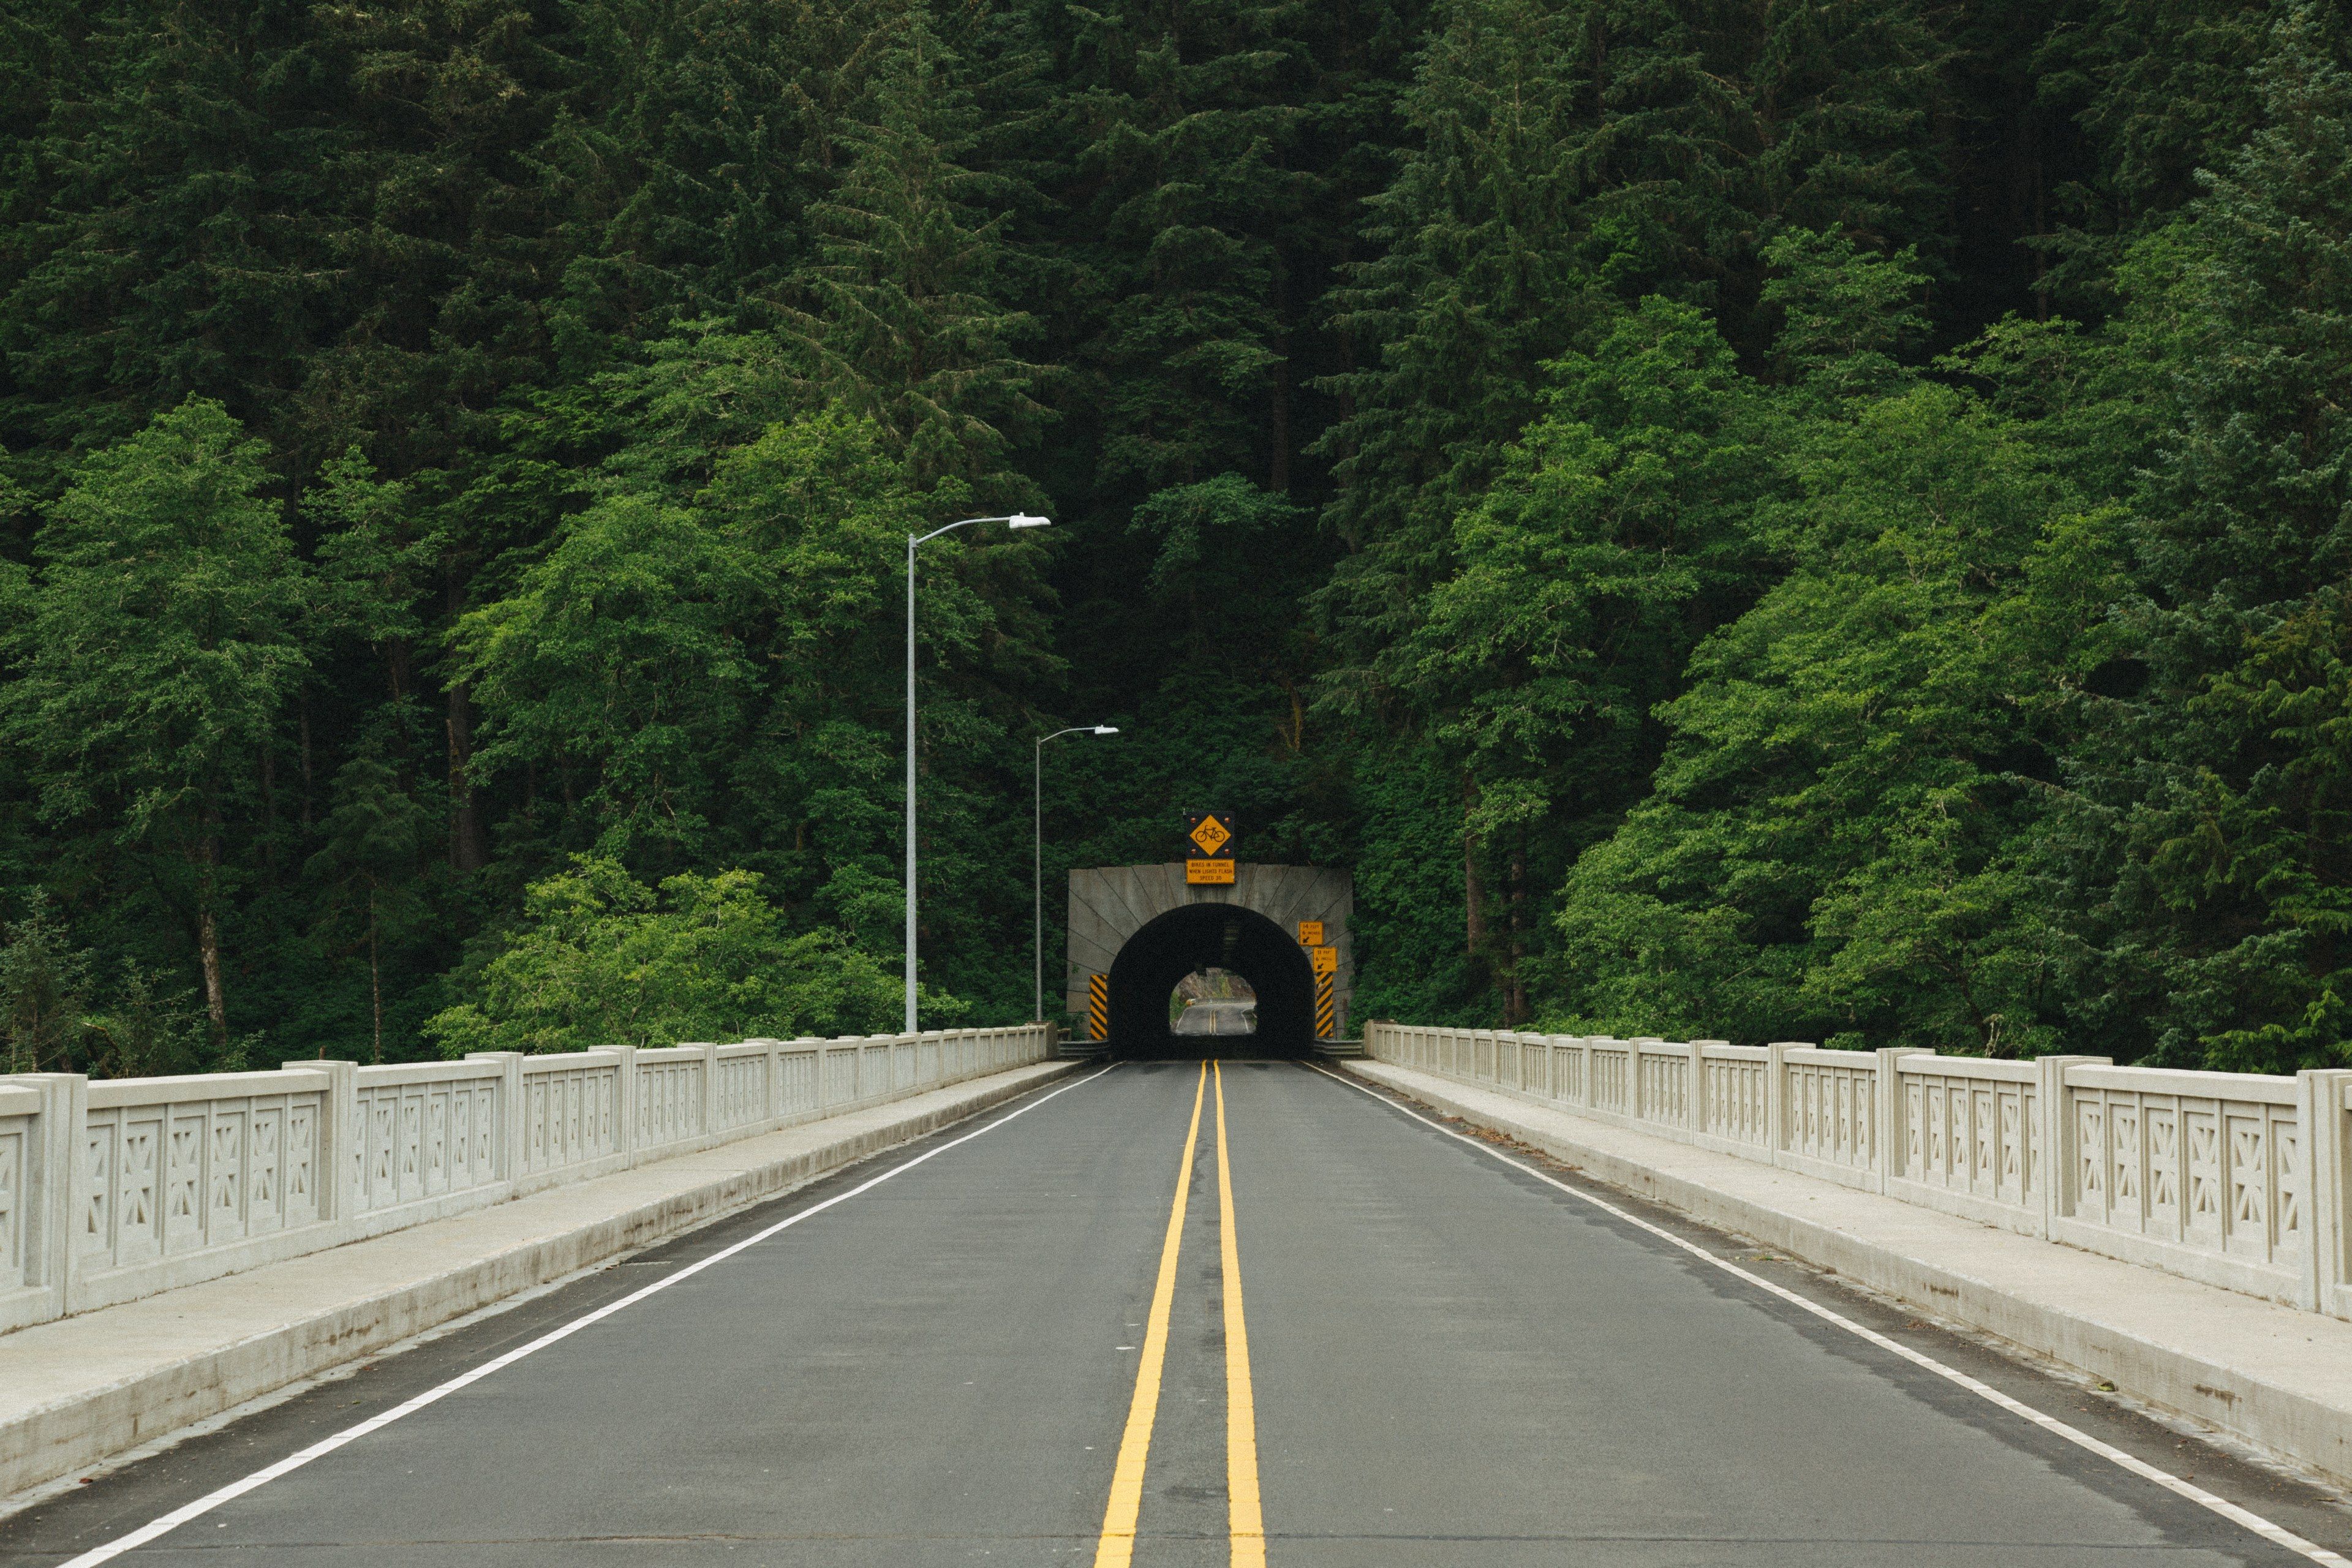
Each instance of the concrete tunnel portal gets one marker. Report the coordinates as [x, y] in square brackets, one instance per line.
[1135, 932]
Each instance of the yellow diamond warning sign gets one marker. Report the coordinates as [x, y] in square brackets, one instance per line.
[1211, 834]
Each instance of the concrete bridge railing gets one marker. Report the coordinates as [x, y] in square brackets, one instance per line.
[117, 1189]
[2233, 1179]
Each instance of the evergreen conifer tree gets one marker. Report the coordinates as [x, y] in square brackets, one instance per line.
[907, 295]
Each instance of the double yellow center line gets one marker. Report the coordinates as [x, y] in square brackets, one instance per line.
[1246, 1524]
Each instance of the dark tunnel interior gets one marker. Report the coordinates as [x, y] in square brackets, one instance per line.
[1196, 937]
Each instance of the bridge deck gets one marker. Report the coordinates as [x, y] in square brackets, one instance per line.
[1449, 1362]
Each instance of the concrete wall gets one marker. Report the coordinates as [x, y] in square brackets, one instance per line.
[2233, 1179]
[1110, 904]
[117, 1189]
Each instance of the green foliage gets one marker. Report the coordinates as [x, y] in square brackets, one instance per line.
[162, 640]
[2215, 900]
[1839, 840]
[604, 959]
[44, 992]
[1844, 314]
[1613, 473]
[908, 322]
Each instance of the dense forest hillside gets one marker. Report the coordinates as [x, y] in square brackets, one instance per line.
[1750, 519]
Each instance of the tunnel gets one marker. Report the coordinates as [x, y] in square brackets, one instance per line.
[1170, 946]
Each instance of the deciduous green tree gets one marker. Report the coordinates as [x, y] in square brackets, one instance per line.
[164, 639]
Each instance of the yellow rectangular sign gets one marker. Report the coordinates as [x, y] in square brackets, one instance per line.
[1209, 873]
[1310, 933]
[1326, 959]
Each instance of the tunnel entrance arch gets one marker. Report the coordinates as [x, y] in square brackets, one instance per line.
[1136, 931]
[1170, 946]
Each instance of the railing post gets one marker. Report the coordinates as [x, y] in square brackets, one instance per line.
[2056, 1131]
[2324, 1165]
[342, 1143]
[56, 1174]
[1776, 1098]
[507, 1159]
[771, 1079]
[624, 1102]
[709, 1089]
[1888, 1111]
[1634, 1075]
[1699, 1083]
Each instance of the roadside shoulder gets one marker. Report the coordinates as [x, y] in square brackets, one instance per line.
[2267, 1374]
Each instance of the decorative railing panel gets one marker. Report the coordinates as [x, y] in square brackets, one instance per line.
[743, 1074]
[2208, 1162]
[1665, 1085]
[2235, 1179]
[798, 1076]
[1732, 1079]
[426, 1130]
[1567, 1069]
[1608, 1058]
[570, 1109]
[175, 1165]
[18, 1128]
[1971, 1128]
[670, 1096]
[114, 1190]
[1829, 1110]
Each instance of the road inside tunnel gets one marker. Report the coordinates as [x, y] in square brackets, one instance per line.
[1200, 936]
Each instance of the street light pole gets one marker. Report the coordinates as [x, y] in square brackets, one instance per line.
[1016, 520]
[1037, 803]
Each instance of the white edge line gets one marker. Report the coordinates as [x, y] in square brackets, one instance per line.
[2278, 1535]
[325, 1446]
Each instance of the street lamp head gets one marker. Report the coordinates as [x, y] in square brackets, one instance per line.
[1106, 729]
[1023, 520]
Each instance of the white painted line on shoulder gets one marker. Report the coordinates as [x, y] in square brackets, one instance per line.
[325, 1446]
[2278, 1535]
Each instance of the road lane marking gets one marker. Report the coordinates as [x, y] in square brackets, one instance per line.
[1247, 1520]
[325, 1446]
[1117, 1547]
[2277, 1535]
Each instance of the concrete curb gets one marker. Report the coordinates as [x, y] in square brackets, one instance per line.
[55, 1439]
[2256, 1404]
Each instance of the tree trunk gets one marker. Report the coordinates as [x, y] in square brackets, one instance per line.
[269, 808]
[375, 979]
[1474, 894]
[468, 845]
[468, 852]
[302, 712]
[208, 944]
[1515, 989]
[1278, 431]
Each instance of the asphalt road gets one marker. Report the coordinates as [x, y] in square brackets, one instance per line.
[1447, 1361]
[1217, 1018]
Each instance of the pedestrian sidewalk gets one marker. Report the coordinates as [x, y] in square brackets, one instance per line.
[77, 1390]
[2275, 1376]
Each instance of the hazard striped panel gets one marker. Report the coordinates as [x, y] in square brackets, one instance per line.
[1098, 1007]
[1327, 1009]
